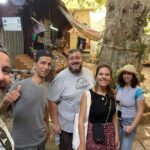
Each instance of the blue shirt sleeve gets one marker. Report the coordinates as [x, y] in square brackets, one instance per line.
[139, 95]
[117, 87]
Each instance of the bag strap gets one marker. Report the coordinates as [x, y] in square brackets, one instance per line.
[2, 144]
[5, 139]
[108, 111]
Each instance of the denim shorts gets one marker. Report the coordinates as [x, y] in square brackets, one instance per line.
[126, 140]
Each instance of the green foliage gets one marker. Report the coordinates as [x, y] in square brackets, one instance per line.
[142, 46]
[145, 89]
[142, 77]
[83, 3]
[114, 79]
[100, 2]
[98, 50]
[147, 30]
[147, 26]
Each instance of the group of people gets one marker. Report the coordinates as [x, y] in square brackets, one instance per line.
[28, 98]
[119, 130]
[65, 97]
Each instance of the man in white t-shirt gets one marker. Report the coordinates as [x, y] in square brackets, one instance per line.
[6, 142]
[65, 96]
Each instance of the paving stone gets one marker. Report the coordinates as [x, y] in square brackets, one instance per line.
[137, 146]
[146, 144]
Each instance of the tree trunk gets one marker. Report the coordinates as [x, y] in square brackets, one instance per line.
[125, 21]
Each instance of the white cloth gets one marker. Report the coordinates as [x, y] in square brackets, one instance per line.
[76, 138]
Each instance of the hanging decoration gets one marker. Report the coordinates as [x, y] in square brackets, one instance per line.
[81, 27]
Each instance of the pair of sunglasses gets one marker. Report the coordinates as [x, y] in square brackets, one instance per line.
[4, 140]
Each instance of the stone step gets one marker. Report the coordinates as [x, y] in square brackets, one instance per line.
[145, 118]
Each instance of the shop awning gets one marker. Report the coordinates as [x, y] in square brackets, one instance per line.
[82, 28]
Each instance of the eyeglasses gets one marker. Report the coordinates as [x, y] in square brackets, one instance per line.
[4, 140]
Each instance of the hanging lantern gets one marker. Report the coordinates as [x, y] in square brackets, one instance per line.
[18, 2]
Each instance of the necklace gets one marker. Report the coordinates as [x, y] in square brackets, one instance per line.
[103, 98]
[106, 100]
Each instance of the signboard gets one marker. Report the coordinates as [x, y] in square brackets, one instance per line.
[11, 23]
[18, 2]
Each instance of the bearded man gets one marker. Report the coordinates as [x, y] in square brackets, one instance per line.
[6, 141]
[65, 96]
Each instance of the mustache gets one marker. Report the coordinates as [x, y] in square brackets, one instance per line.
[3, 87]
[76, 63]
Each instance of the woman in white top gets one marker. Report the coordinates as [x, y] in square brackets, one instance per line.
[131, 102]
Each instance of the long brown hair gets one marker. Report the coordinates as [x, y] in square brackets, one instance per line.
[122, 83]
[110, 91]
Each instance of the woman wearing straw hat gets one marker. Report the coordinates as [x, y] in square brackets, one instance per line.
[131, 102]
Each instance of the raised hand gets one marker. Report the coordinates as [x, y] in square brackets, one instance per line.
[13, 95]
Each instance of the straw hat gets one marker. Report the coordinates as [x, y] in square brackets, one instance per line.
[128, 68]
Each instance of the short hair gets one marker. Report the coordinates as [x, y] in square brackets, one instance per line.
[73, 51]
[42, 52]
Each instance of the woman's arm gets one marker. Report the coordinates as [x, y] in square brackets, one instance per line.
[115, 122]
[82, 117]
[139, 113]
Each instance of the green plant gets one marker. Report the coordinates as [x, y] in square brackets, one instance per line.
[98, 50]
[83, 3]
[142, 49]
[145, 89]
[114, 80]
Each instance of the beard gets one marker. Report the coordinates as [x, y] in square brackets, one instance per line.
[75, 70]
[5, 84]
[3, 87]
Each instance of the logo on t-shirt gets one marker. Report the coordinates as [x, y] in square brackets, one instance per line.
[82, 83]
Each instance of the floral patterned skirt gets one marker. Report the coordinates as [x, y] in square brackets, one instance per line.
[108, 144]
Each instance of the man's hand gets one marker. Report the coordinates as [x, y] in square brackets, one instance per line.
[13, 95]
[57, 128]
[10, 98]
